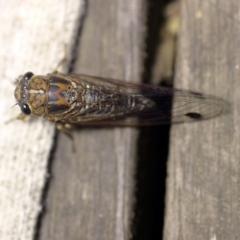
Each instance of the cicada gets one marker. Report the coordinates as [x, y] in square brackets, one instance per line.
[86, 100]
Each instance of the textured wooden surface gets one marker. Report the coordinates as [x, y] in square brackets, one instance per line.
[90, 194]
[203, 197]
[31, 39]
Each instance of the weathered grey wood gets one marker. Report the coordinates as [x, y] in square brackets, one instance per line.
[90, 195]
[31, 39]
[203, 197]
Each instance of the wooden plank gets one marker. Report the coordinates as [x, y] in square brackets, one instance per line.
[31, 39]
[90, 195]
[204, 168]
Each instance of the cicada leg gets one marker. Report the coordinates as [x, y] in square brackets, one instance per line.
[63, 60]
[21, 116]
[64, 128]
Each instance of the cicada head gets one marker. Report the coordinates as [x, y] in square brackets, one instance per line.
[30, 94]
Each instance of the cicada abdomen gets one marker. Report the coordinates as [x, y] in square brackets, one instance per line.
[86, 100]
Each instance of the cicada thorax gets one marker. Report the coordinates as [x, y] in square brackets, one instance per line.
[50, 96]
[63, 96]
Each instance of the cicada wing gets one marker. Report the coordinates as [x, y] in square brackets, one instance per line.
[180, 112]
[130, 104]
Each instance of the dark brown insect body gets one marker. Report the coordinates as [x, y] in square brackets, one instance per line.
[80, 99]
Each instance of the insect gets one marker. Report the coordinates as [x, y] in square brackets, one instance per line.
[86, 100]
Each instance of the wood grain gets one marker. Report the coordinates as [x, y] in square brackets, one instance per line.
[204, 169]
[26, 44]
[90, 195]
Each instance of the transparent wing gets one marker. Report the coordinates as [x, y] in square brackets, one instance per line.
[162, 105]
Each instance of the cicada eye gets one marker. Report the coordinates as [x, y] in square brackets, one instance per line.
[26, 109]
[27, 75]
